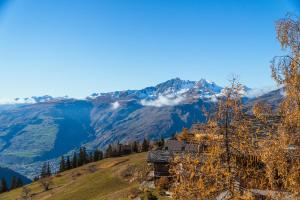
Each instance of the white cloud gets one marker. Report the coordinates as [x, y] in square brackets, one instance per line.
[163, 101]
[17, 101]
[282, 92]
[115, 105]
[259, 92]
[214, 98]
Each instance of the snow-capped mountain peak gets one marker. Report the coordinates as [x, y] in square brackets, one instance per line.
[171, 92]
[174, 86]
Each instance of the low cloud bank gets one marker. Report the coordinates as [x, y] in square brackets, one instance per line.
[115, 105]
[163, 101]
[17, 101]
[259, 92]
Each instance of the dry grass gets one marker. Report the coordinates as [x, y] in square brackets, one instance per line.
[101, 180]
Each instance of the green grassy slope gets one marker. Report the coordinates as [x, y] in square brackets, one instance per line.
[100, 180]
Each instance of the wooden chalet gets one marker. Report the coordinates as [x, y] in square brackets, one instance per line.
[195, 142]
[160, 159]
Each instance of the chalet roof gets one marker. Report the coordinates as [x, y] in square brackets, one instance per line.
[173, 145]
[170, 148]
[192, 148]
[159, 156]
[180, 146]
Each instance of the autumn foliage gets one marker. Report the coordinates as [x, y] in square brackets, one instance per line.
[249, 154]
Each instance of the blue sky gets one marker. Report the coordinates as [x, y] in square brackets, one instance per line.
[75, 48]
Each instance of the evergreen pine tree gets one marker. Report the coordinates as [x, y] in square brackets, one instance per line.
[162, 141]
[48, 172]
[68, 163]
[114, 151]
[79, 161]
[100, 155]
[36, 178]
[13, 183]
[120, 150]
[3, 185]
[19, 183]
[85, 156]
[82, 156]
[109, 151]
[74, 160]
[44, 171]
[91, 157]
[145, 146]
[96, 156]
[62, 166]
[135, 147]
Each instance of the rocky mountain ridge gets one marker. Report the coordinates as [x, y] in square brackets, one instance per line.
[32, 133]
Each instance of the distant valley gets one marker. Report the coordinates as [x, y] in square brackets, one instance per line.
[38, 129]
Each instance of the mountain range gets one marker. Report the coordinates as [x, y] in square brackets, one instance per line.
[38, 129]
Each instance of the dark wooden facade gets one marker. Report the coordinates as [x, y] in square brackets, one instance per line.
[160, 159]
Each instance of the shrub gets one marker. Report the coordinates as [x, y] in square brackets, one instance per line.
[46, 183]
[26, 193]
[133, 193]
[163, 183]
[149, 196]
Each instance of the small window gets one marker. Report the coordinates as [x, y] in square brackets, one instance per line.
[166, 148]
[182, 148]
